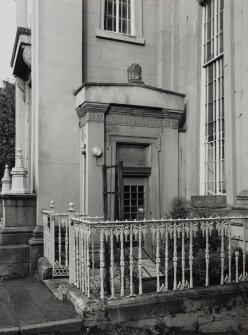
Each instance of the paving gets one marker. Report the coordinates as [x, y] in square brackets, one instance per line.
[27, 306]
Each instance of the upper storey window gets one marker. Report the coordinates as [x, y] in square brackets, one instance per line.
[118, 16]
[121, 20]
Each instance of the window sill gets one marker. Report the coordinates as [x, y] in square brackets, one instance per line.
[110, 35]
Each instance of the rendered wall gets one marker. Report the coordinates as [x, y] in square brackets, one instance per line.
[238, 93]
[107, 61]
[185, 64]
[170, 59]
[187, 55]
[56, 72]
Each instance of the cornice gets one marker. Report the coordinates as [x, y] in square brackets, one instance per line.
[128, 116]
[92, 84]
[22, 64]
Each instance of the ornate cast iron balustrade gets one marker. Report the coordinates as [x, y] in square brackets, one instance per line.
[56, 238]
[111, 259]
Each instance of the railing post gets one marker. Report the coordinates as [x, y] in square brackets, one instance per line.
[88, 261]
[52, 234]
[236, 266]
[166, 257]
[71, 212]
[207, 256]
[131, 263]
[191, 257]
[83, 261]
[122, 262]
[112, 263]
[222, 252]
[102, 264]
[45, 231]
[229, 230]
[207, 228]
[244, 247]
[158, 257]
[175, 256]
[183, 254]
[140, 260]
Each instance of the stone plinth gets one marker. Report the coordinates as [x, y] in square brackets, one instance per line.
[19, 221]
[208, 201]
[19, 210]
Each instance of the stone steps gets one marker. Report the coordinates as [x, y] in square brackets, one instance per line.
[14, 260]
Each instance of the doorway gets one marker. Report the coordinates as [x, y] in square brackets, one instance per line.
[133, 195]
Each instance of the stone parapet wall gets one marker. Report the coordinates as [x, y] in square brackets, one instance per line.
[206, 310]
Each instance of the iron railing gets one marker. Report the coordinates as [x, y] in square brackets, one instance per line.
[56, 228]
[108, 258]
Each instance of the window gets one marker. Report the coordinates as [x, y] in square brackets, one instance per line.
[214, 97]
[118, 16]
[134, 198]
[132, 155]
[121, 20]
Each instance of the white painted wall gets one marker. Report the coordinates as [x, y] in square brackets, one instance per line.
[56, 72]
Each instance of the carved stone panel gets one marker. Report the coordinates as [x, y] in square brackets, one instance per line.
[134, 73]
[129, 120]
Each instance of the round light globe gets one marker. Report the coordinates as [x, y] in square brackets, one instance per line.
[96, 152]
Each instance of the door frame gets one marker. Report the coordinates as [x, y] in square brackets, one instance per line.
[152, 172]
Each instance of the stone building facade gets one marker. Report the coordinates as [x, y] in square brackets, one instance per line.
[160, 85]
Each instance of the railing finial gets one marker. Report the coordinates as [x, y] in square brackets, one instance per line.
[52, 206]
[71, 207]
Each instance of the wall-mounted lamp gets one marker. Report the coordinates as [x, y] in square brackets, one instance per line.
[96, 152]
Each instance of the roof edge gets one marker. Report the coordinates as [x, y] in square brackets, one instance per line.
[19, 31]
